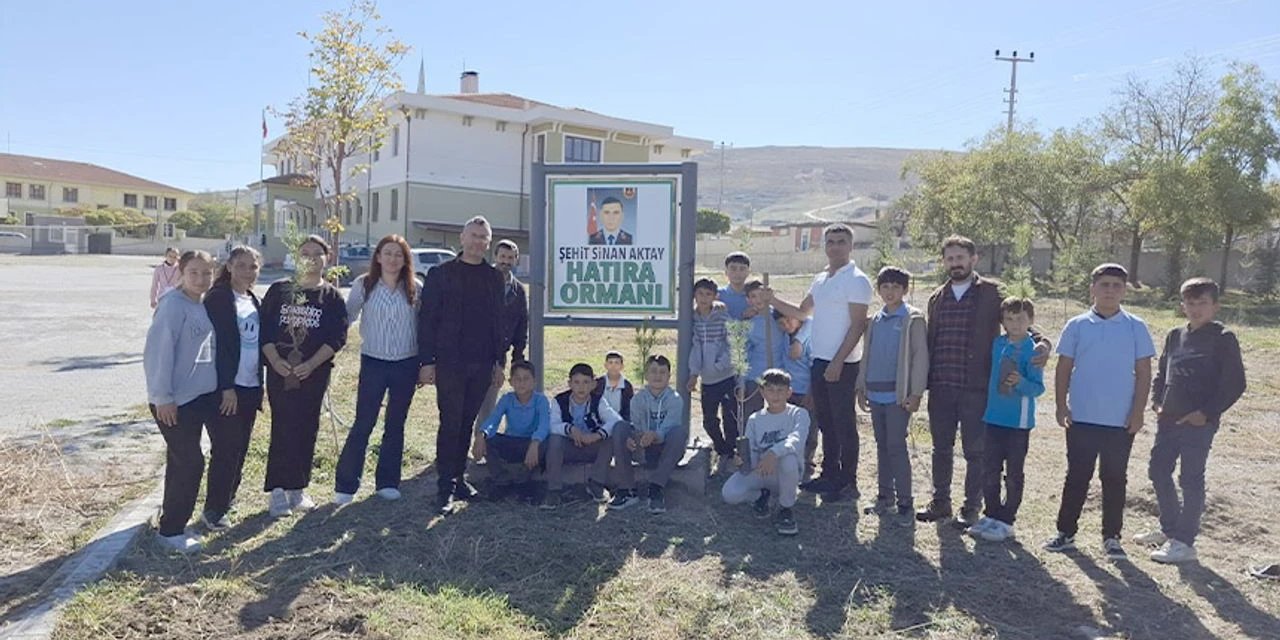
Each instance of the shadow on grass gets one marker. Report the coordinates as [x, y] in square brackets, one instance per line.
[1134, 604]
[1228, 602]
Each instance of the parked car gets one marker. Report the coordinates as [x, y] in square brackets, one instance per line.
[13, 234]
[425, 259]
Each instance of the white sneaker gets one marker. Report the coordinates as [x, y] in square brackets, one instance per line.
[978, 528]
[279, 505]
[298, 499]
[181, 543]
[999, 531]
[1153, 538]
[389, 493]
[1174, 552]
[343, 498]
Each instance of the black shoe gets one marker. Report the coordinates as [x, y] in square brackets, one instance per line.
[552, 501]
[836, 493]
[623, 498]
[761, 505]
[657, 502]
[786, 522]
[463, 490]
[444, 503]
[820, 484]
[934, 512]
[596, 491]
[967, 518]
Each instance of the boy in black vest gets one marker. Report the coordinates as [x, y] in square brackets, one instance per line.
[581, 424]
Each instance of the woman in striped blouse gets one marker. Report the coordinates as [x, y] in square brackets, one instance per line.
[388, 298]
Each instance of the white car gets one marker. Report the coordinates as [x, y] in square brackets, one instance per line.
[425, 259]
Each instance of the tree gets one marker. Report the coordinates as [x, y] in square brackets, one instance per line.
[187, 220]
[713, 222]
[1152, 133]
[220, 218]
[1238, 145]
[342, 114]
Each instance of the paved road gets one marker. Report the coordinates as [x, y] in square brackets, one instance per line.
[72, 330]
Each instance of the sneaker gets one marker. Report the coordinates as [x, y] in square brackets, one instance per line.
[879, 508]
[183, 543]
[980, 526]
[279, 505]
[215, 522]
[786, 522]
[445, 504]
[389, 493]
[343, 498]
[968, 517]
[1265, 572]
[463, 490]
[836, 493]
[906, 515]
[595, 491]
[761, 505]
[1153, 538]
[934, 512]
[623, 499]
[1174, 552]
[299, 500]
[1114, 550]
[1060, 543]
[996, 531]
[657, 502]
[553, 500]
[819, 484]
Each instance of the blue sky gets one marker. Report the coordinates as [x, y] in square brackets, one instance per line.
[173, 91]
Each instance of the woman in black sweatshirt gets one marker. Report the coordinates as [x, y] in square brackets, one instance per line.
[233, 309]
[304, 324]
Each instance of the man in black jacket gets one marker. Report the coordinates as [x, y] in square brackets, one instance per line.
[461, 349]
[514, 320]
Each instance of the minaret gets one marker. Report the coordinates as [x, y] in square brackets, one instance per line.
[422, 77]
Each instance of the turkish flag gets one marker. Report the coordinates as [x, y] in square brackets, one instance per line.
[591, 217]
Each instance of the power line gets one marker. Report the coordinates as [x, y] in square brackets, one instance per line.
[1013, 80]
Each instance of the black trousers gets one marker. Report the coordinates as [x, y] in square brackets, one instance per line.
[184, 462]
[460, 388]
[718, 399]
[1090, 446]
[951, 408]
[1005, 451]
[834, 402]
[229, 437]
[295, 421]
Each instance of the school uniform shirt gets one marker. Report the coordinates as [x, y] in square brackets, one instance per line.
[882, 354]
[321, 312]
[530, 419]
[734, 301]
[1104, 351]
[832, 295]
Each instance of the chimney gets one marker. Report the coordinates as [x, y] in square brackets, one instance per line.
[470, 82]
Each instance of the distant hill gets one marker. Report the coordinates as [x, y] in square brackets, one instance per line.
[781, 184]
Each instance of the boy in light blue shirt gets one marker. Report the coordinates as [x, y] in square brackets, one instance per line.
[528, 422]
[1101, 387]
[798, 363]
[766, 347]
[1012, 390]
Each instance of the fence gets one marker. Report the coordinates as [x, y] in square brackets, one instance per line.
[73, 239]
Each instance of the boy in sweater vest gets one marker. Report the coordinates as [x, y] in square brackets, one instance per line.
[581, 425]
[1012, 390]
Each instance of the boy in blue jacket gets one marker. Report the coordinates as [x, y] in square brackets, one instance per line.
[528, 418]
[1012, 390]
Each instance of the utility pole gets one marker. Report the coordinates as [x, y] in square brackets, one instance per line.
[1013, 80]
[720, 199]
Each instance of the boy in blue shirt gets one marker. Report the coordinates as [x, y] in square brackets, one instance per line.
[528, 417]
[798, 363]
[766, 347]
[737, 267]
[1012, 390]
[1101, 387]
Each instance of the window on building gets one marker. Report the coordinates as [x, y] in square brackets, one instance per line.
[419, 114]
[377, 155]
[395, 204]
[373, 207]
[540, 149]
[500, 126]
[684, 153]
[581, 150]
[359, 213]
[131, 200]
[395, 141]
[70, 194]
[657, 149]
[170, 204]
[35, 192]
[149, 202]
[467, 120]
[104, 206]
[13, 190]
[348, 216]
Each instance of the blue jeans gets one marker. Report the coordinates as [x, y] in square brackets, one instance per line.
[378, 378]
[1180, 519]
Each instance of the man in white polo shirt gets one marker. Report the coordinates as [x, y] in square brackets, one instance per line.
[837, 300]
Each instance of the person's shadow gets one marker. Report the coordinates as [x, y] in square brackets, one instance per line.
[1133, 604]
[1230, 604]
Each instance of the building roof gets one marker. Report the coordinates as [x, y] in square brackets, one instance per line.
[504, 100]
[75, 172]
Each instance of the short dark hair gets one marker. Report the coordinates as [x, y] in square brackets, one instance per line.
[523, 365]
[706, 283]
[838, 227]
[1200, 287]
[508, 245]
[1018, 305]
[582, 369]
[613, 354]
[659, 360]
[776, 378]
[752, 285]
[894, 275]
[1109, 269]
[610, 200]
[739, 257]
[318, 241]
[959, 241]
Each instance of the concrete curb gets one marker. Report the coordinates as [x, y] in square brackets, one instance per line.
[87, 565]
